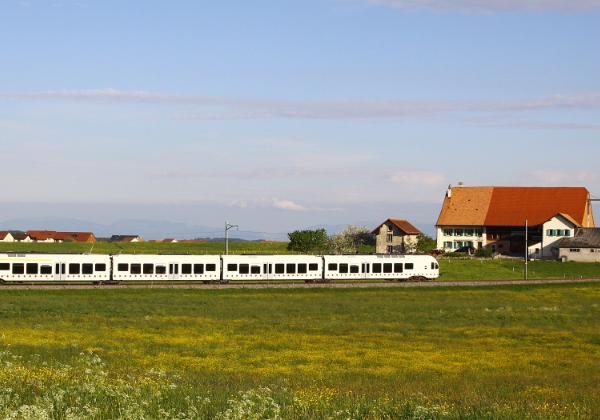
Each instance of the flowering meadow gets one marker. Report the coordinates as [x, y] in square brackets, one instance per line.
[500, 352]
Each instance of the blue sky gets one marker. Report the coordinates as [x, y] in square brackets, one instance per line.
[281, 115]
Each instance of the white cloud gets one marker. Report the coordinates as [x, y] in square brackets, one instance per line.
[563, 178]
[287, 205]
[491, 6]
[224, 108]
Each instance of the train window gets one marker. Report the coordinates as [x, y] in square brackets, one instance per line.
[74, 268]
[18, 268]
[186, 268]
[211, 267]
[313, 267]
[433, 266]
[290, 268]
[354, 268]
[231, 267]
[87, 268]
[301, 268]
[244, 268]
[409, 266]
[198, 268]
[122, 267]
[148, 268]
[4, 266]
[32, 268]
[255, 269]
[387, 267]
[332, 267]
[136, 269]
[398, 268]
[343, 268]
[377, 268]
[46, 269]
[161, 269]
[100, 267]
[279, 268]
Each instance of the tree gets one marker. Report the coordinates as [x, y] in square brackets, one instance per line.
[350, 239]
[425, 243]
[306, 241]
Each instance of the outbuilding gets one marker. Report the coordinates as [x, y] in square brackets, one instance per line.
[583, 247]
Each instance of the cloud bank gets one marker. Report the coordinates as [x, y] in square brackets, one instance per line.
[491, 6]
[224, 108]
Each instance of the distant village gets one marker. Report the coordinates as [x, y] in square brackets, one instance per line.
[550, 223]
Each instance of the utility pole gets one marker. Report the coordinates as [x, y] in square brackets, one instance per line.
[227, 227]
[526, 250]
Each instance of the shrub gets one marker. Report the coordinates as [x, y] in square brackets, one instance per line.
[484, 253]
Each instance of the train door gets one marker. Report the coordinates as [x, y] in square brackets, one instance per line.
[60, 271]
[173, 271]
[267, 271]
[365, 270]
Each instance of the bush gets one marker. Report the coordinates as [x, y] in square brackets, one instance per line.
[484, 253]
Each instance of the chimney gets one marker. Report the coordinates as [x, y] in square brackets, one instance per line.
[460, 184]
[449, 192]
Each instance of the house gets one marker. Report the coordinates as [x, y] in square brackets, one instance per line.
[395, 236]
[584, 246]
[6, 237]
[496, 217]
[54, 236]
[22, 237]
[126, 238]
[170, 240]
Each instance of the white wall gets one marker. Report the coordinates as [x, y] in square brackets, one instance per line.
[556, 223]
[441, 239]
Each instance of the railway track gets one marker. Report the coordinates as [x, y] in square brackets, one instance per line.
[292, 285]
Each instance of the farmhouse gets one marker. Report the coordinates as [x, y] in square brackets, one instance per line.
[395, 236]
[584, 246]
[495, 217]
[126, 238]
[54, 236]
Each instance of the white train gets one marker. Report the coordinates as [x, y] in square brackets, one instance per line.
[42, 267]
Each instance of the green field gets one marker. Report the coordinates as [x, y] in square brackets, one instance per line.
[500, 352]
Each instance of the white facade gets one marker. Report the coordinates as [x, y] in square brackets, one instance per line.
[8, 238]
[555, 229]
[450, 238]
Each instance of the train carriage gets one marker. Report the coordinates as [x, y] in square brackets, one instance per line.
[272, 267]
[44, 267]
[206, 268]
[382, 266]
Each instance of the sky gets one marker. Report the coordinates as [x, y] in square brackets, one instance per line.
[282, 115]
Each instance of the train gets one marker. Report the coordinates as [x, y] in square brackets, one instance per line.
[37, 267]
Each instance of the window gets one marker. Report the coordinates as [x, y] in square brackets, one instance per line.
[478, 232]
[398, 268]
[149, 268]
[592, 250]
[447, 232]
[574, 250]
[18, 268]
[211, 267]
[561, 232]
[500, 245]
[377, 268]
[354, 269]
[4, 266]
[87, 268]
[458, 232]
[387, 267]
[279, 268]
[468, 232]
[255, 269]
[161, 269]
[332, 267]
[231, 267]
[136, 269]
[313, 267]
[390, 237]
[46, 269]
[32, 268]
[433, 266]
[567, 232]
[244, 268]
[74, 268]
[100, 267]
[390, 249]
[290, 268]
[198, 269]
[343, 268]
[409, 266]
[302, 269]
[123, 267]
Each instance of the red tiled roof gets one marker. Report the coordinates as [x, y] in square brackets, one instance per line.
[401, 224]
[511, 206]
[3, 235]
[41, 235]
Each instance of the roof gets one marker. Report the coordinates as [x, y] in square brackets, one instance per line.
[4, 235]
[41, 235]
[124, 238]
[511, 206]
[20, 236]
[401, 224]
[583, 238]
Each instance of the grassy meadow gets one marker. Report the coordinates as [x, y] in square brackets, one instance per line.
[500, 352]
